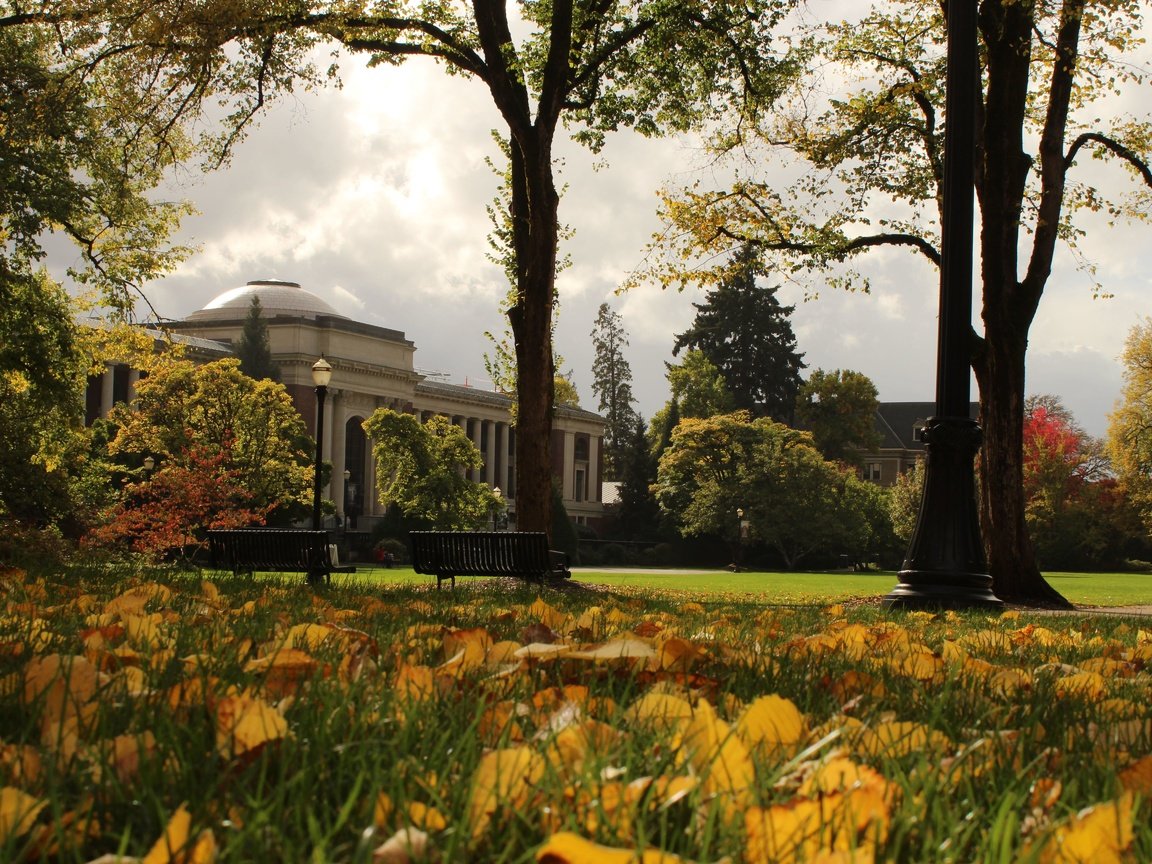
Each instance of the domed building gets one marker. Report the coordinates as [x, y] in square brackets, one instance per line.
[374, 367]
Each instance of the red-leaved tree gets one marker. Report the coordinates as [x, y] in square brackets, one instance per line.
[167, 515]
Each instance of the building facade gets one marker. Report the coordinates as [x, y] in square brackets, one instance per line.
[374, 367]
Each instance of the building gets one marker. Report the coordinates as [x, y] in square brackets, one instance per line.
[899, 425]
[374, 367]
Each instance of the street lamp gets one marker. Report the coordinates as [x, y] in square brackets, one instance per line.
[741, 535]
[498, 500]
[149, 464]
[321, 375]
[945, 566]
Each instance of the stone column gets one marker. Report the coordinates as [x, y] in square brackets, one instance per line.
[107, 382]
[503, 455]
[490, 454]
[133, 379]
[569, 466]
[595, 443]
[475, 422]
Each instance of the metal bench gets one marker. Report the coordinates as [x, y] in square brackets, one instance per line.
[448, 554]
[274, 550]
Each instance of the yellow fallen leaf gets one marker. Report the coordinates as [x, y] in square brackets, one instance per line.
[504, 778]
[245, 724]
[173, 841]
[663, 711]
[566, 847]
[1095, 835]
[716, 753]
[547, 615]
[771, 723]
[18, 812]
[618, 649]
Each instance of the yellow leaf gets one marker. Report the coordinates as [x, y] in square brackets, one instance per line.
[568, 848]
[1096, 835]
[897, 738]
[504, 778]
[771, 723]
[18, 812]
[174, 840]
[425, 817]
[1086, 685]
[65, 684]
[245, 724]
[617, 649]
[547, 615]
[716, 753]
[661, 710]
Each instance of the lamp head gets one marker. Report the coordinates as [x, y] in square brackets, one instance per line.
[321, 372]
[149, 463]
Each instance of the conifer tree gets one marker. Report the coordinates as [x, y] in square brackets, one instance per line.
[254, 350]
[744, 331]
[612, 383]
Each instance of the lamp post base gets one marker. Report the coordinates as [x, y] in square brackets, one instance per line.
[945, 567]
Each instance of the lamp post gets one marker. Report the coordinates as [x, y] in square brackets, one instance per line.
[321, 375]
[498, 501]
[741, 534]
[945, 566]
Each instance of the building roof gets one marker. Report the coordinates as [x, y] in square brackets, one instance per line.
[898, 422]
[276, 298]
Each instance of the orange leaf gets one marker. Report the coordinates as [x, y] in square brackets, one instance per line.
[1137, 777]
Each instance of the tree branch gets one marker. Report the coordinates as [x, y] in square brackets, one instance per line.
[1115, 147]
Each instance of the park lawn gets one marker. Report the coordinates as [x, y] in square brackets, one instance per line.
[170, 717]
[1082, 589]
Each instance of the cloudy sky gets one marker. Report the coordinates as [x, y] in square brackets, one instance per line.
[374, 196]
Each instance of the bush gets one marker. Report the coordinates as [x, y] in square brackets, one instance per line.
[394, 545]
[28, 547]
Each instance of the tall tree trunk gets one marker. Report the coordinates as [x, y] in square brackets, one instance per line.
[535, 205]
[1011, 557]
[1009, 303]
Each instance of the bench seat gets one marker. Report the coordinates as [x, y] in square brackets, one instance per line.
[523, 554]
[274, 550]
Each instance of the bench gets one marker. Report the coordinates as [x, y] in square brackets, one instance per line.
[448, 554]
[275, 550]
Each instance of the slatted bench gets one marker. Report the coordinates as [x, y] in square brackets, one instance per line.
[274, 550]
[448, 554]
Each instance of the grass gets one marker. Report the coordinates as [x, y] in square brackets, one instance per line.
[299, 725]
[1083, 589]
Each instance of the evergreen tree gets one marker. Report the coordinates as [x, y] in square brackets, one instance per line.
[612, 383]
[253, 350]
[639, 514]
[745, 332]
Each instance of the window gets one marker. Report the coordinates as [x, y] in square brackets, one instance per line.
[872, 472]
[580, 492]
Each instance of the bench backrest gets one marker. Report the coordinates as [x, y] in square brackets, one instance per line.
[270, 549]
[498, 553]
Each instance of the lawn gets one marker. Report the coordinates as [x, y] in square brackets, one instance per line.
[1083, 589]
[164, 717]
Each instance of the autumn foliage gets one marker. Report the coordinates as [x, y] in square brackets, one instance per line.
[181, 721]
[167, 514]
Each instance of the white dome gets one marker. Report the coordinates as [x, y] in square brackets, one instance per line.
[276, 298]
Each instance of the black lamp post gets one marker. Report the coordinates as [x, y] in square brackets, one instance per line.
[321, 375]
[945, 566]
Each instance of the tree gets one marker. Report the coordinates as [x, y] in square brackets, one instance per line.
[839, 409]
[652, 65]
[566, 394]
[612, 384]
[183, 409]
[165, 515]
[744, 332]
[421, 468]
[638, 514]
[698, 387]
[795, 501]
[254, 350]
[1129, 441]
[871, 154]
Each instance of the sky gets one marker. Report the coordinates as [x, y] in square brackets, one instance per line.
[373, 197]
